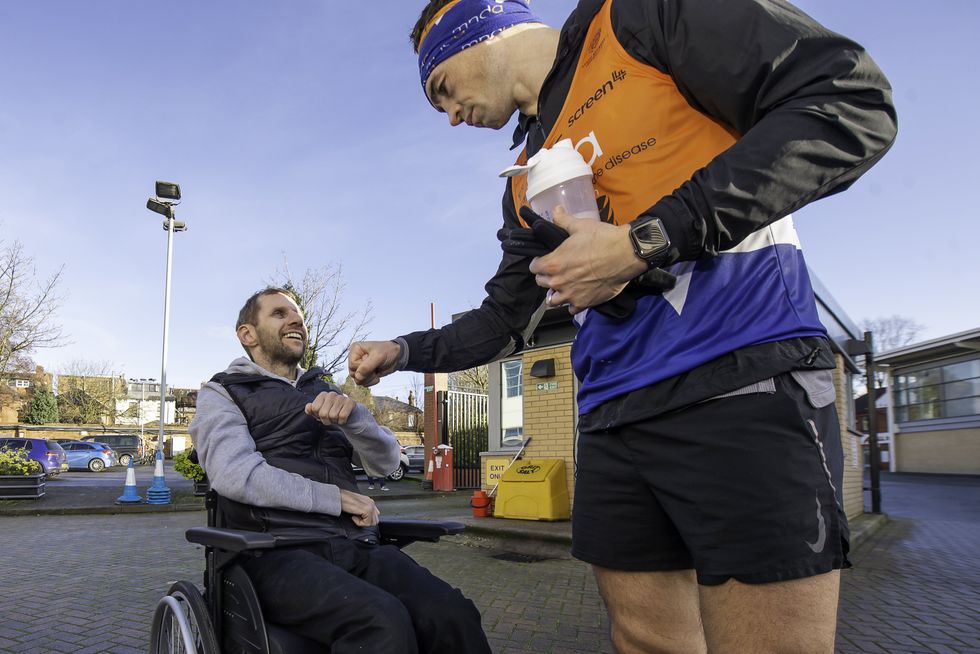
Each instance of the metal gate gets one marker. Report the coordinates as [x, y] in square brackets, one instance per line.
[464, 426]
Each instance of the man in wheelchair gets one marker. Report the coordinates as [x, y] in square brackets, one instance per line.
[276, 443]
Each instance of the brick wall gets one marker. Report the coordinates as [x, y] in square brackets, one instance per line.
[852, 493]
[77, 431]
[549, 413]
[407, 438]
[434, 382]
[954, 452]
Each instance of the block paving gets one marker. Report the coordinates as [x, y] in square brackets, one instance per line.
[89, 583]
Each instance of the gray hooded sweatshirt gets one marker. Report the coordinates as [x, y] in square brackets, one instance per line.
[237, 471]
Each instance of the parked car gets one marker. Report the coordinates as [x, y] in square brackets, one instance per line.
[126, 446]
[416, 457]
[395, 476]
[87, 455]
[48, 453]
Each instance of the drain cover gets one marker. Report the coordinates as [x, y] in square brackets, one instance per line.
[514, 557]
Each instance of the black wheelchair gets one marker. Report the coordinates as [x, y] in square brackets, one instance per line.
[227, 618]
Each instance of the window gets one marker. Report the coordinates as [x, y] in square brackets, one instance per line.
[513, 378]
[949, 391]
[513, 436]
[15, 444]
[510, 428]
[19, 383]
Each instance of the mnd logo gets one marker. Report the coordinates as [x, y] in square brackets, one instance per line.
[608, 87]
[492, 9]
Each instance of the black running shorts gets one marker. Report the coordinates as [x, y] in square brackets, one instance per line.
[744, 487]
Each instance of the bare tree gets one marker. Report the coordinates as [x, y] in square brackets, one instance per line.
[888, 333]
[471, 380]
[319, 293]
[27, 308]
[415, 390]
[892, 331]
[87, 392]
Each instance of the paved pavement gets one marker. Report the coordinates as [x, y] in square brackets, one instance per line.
[915, 585]
[89, 582]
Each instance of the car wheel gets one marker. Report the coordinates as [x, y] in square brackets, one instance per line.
[96, 465]
[397, 474]
[125, 459]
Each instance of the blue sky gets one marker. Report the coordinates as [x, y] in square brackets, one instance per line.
[300, 129]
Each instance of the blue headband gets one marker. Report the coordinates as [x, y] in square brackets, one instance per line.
[466, 23]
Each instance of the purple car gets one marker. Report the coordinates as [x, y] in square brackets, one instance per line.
[48, 453]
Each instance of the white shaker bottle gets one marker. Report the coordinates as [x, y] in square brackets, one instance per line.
[558, 176]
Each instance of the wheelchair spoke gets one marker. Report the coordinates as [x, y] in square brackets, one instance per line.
[181, 624]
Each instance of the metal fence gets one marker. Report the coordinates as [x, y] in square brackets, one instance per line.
[464, 427]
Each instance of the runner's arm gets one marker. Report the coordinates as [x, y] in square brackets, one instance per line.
[814, 111]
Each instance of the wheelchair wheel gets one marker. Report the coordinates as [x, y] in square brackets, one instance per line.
[181, 624]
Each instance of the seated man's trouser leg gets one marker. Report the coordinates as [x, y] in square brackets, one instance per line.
[362, 598]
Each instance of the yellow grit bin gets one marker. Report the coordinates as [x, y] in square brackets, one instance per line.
[533, 489]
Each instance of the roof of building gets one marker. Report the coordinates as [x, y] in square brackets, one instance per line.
[385, 403]
[932, 350]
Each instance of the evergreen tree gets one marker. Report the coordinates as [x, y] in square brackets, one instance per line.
[43, 408]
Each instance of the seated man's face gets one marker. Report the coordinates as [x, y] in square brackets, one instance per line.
[281, 331]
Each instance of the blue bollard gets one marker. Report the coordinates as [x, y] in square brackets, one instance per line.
[158, 493]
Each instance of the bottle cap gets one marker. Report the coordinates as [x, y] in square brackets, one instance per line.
[551, 167]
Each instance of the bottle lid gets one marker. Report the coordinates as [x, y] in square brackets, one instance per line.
[551, 167]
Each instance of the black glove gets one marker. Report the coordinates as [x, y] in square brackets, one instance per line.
[543, 237]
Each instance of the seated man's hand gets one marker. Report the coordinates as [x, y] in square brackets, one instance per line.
[331, 408]
[361, 508]
[369, 361]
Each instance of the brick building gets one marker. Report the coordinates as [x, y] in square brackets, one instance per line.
[16, 391]
[934, 405]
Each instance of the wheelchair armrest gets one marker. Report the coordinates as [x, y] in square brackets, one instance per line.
[396, 532]
[403, 532]
[240, 540]
[232, 540]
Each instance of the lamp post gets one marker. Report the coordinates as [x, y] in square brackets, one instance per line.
[167, 197]
[865, 346]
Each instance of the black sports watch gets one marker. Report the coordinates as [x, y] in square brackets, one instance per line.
[650, 240]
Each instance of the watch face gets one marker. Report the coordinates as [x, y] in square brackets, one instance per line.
[649, 238]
